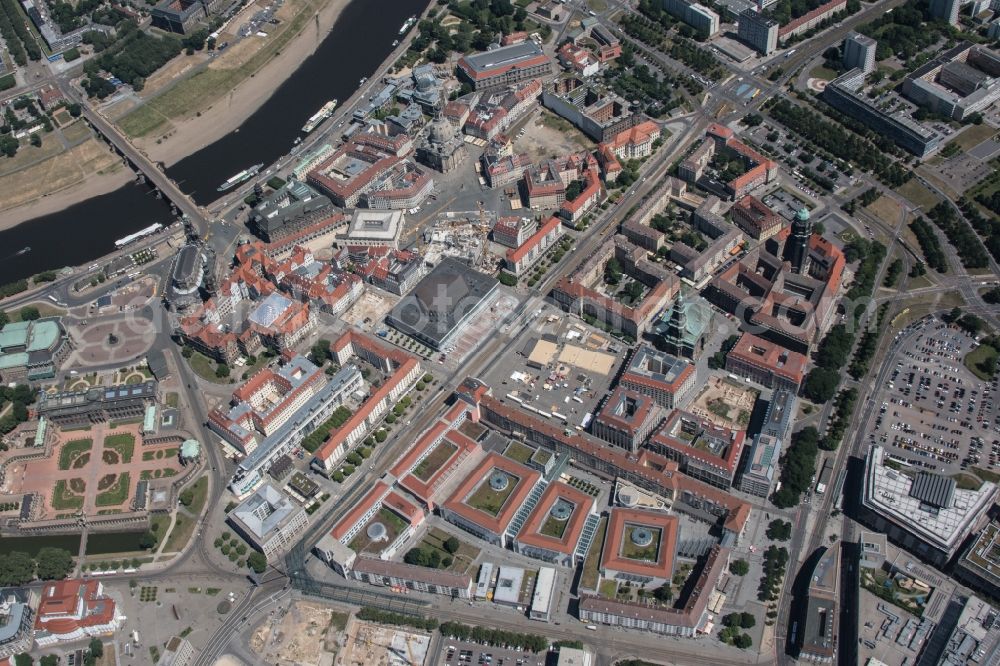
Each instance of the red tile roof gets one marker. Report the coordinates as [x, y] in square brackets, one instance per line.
[621, 518]
[336, 438]
[639, 134]
[404, 507]
[550, 225]
[424, 444]
[591, 189]
[831, 7]
[655, 470]
[753, 350]
[531, 534]
[374, 496]
[526, 479]
[689, 616]
[628, 422]
[424, 490]
[730, 457]
[69, 605]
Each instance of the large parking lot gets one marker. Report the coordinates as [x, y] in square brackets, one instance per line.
[561, 367]
[933, 412]
[467, 653]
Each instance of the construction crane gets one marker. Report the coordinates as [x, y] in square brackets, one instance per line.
[484, 229]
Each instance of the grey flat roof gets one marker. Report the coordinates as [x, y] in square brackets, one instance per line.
[864, 40]
[779, 414]
[442, 300]
[507, 55]
[265, 512]
[818, 634]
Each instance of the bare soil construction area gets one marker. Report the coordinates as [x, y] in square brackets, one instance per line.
[308, 634]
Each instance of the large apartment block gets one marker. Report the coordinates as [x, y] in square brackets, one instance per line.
[845, 95]
[758, 31]
[627, 419]
[859, 51]
[597, 112]
[766, 363]
[668, 380]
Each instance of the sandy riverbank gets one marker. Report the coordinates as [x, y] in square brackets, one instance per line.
[196, 132]
[92, 186]
[191, 134]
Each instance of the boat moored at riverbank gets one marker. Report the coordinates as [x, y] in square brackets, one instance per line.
[315, 119]
[241, 177]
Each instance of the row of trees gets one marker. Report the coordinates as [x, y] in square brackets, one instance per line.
[831, 355]
[494, 637]
[12, 288]
[21, 396]
[893, 273]
[987, 227]
[314, 439]
[871, 254]
[95, 650]
[696, 58]
[990, 201]
[929, 245]
[731, 633]
[397, 619]
[970, 250]
[640, 83]
[646, 30]
[867, 345]
[20, 43]
[427, 557]
[797, 468]
[775, 563]
[17, 568]
[966, 321]
[866, 198]
[834, 350]
[779, 530]
[906, 31]
[69, 17]
[839, 142]
[837, 425]
[654, 34]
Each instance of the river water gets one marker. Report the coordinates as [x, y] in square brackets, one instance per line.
[360, 40]
[80, 233]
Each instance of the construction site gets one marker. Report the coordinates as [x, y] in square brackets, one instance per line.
[725, 403]
[463, 235]
[307, 634]
[369, 644]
